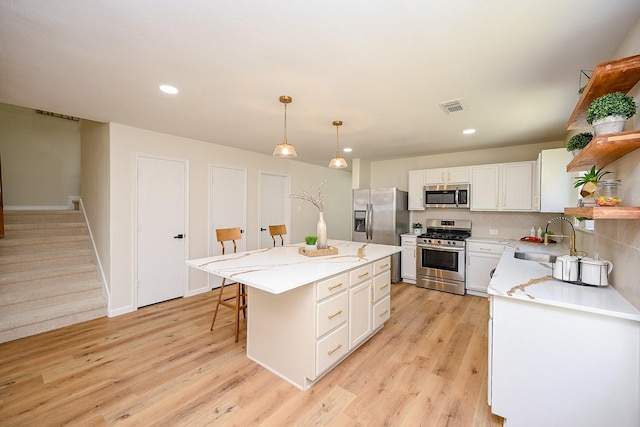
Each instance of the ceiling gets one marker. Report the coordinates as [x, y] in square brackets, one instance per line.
[381, 67]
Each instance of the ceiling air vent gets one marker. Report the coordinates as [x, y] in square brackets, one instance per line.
[451, 107]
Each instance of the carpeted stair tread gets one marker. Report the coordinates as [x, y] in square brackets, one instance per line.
[33, 217]
[18, 325]
[20, 294]
[14, 320]
[12, 246]
[45, 277]
[38, 261]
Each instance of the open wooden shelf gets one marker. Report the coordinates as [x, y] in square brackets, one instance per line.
[619, 75]
[604, 149]
[605, 212]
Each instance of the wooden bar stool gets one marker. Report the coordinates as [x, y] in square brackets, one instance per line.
[240, 298]
[278, 230]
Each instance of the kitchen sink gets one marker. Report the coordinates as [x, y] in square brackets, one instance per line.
[535, 256]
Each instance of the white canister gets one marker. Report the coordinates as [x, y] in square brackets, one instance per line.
[595, 272]
[566, 268]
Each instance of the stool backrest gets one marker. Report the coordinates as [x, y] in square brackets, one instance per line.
[277, 230]
[228, 234]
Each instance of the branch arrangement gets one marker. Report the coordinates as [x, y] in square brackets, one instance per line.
[317, 200]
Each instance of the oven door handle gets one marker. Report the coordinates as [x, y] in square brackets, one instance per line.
[442, 248]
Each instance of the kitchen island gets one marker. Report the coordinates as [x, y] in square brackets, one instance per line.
[560, 353]
[306, 314]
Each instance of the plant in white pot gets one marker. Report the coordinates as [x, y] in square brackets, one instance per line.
[577, 142]
[417, 228]
[311, 242]
[608, 113]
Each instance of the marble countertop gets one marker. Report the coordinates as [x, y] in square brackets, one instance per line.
[533, 281]
[282, 268]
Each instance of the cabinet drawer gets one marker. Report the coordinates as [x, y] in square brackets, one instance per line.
[331, 313]
[331, 348]
[484, 247]
[359, 274]
[381, 265]
[381, 285]
[331, 286]
[381, 312]
[408, 241]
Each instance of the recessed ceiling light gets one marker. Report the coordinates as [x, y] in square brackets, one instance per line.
[469, 131]
[172, 90]
[347, 150]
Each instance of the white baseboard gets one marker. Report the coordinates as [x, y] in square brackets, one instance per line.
[194, 292]
[120, 311]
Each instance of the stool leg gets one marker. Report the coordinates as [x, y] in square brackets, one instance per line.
[215, 312]
[244, 301]
[238, 286]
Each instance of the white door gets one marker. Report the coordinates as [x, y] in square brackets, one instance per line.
[275, 206]
[228, 203]
[161, 204]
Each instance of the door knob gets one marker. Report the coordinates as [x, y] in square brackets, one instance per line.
[179, 236]
[263, 229]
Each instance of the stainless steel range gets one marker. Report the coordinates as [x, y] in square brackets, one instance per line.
[441, 255]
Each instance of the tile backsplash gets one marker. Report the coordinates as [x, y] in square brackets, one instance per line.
[509, 225]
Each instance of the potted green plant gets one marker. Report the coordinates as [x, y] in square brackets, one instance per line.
[589, 181]
[578, 141]
[311, 242]
[608, 113]
[587, 223]
[417, 228]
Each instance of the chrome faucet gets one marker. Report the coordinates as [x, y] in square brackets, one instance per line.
[573, 251]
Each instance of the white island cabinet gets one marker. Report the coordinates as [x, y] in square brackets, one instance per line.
[306, 314]
[560, 354]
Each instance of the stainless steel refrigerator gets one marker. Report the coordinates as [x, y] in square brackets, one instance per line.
[380, 215]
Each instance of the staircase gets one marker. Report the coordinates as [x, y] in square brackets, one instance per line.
[48, 275]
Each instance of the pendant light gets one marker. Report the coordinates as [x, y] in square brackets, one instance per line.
[285, 150]
[337, 162]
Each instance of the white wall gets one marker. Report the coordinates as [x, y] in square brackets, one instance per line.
[94, 187]
[125, 141]
[40, 159]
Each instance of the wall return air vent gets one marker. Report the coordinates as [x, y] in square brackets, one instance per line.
[451, 107]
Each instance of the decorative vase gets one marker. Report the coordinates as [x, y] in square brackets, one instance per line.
[610, 124]
[321, 232]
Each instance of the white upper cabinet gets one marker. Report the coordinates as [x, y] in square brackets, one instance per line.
[458, 175]
[416, 190]
[555, 186]
[503, 187]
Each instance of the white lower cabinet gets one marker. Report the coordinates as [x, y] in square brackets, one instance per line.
[359, 312]
[555, 366]
[482, 258]
[408, 258]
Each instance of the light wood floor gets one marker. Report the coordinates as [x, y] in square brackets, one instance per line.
[162, 366]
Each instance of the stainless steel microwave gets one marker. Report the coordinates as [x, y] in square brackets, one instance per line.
[447, 196]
